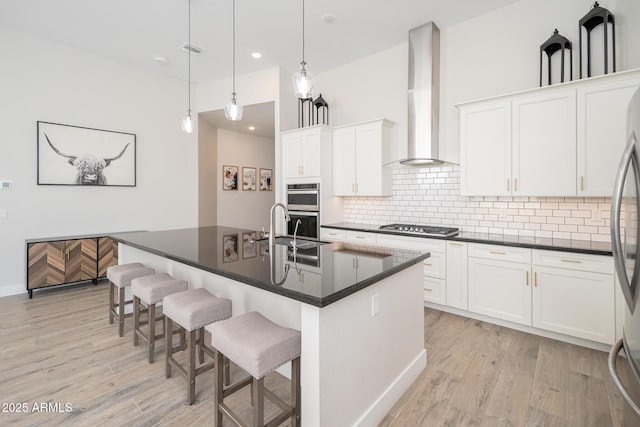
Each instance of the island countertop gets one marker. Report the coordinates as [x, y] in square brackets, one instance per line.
[317, 276]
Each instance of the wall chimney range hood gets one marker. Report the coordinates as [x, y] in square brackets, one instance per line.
[423, 96]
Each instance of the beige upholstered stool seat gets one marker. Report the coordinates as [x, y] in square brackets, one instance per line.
[258, 346]
[192, 310]
[150, 290]
[120, 276]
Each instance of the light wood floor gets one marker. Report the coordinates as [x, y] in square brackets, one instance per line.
[59, 348]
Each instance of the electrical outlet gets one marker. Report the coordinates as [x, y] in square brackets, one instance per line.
[502, 214]
[4, 214]
[375, 305]
[596, 215]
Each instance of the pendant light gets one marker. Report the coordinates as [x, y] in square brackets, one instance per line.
[303, 80]
[232, 110]
[187, 121]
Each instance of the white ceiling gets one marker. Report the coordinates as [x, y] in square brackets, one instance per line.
[136, 31]
[259, 116]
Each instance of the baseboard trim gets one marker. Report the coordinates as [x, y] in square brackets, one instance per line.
[383, 404]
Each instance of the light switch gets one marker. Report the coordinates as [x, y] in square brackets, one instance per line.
[4, 214]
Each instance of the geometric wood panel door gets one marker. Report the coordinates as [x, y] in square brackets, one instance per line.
[46, 263]
[107, 255]
[81, 262]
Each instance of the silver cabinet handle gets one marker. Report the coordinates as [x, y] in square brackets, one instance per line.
[629, 158]
[613, 355]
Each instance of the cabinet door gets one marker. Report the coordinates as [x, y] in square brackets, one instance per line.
[544, 145]
[81, 261]
[107, 255]
[344, 270]
[310, 153]
[292, 151]
[46, 264]
[368, 160]
[500, 289]
[602, 116]
[434, 290]
[485, 149]
[457, 275]
[576, 303]
[344, 161]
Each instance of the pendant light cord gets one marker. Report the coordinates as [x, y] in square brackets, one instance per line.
[234, 48]
[189, 59]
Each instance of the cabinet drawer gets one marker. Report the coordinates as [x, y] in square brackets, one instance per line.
[361, 238]
[333, 234]
[502, 253]
[435, 265]
[434, 290]
[574, 261]
[406, 242]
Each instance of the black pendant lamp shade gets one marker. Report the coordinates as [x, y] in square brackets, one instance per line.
[596, 16]
[556, 42]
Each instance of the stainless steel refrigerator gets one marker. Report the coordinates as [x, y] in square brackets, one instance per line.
[625, 239]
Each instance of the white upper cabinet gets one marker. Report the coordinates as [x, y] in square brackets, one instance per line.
[544, 144]
[359, 153]
[602, 115]
[302, 151]
[561, 140]
[485, 151]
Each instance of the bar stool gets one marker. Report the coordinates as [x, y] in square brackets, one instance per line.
[150, 290]
[120, 277]
[258, 346]
[192, 310]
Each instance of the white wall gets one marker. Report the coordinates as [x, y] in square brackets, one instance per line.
[49, 82]
[208, 180]
[492, 54]
[239, 208]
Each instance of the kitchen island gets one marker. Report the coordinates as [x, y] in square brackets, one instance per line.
[359, 308]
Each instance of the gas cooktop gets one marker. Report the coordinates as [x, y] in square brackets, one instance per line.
[423, 230]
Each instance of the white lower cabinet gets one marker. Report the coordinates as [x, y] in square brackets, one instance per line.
[435, 290]
[499, 282]
[574, 294]
[456, 273]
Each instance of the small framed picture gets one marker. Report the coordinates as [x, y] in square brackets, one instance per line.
[230, 248]
[249, 245]
[266, 180]
[229, 177]
[249, 179]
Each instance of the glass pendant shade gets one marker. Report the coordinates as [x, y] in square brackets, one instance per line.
[187, 123]
[303, 82]
[232, 110]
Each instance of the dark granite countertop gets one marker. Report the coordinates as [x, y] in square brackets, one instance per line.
[234, 253]
[565, 245]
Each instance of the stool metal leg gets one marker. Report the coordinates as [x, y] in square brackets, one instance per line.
[136, 319]
[219, 389]
[295, 391]
[151, 314]
[168, 346]
[200, 341]
[111, 302]
[191, 368]
[257, 398]
[121, 312]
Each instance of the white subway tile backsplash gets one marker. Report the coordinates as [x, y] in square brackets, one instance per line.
[432, 196]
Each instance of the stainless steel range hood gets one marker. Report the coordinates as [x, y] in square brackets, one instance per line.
[423, 96]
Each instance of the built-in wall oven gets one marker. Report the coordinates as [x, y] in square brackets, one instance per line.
[303, 204]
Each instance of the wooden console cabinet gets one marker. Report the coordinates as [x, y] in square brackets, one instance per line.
[52, 262]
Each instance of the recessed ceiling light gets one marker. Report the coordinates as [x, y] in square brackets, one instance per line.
[328, 18]
[161, 60]
[256, 55]
[252, 128]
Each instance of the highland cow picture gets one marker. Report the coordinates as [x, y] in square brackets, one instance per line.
[74, 155]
